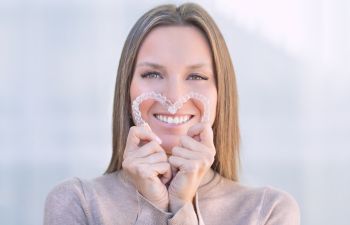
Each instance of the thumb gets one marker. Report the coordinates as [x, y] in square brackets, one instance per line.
[166, 177]
[201, 132]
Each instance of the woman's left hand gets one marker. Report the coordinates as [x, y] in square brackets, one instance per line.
[192, 159]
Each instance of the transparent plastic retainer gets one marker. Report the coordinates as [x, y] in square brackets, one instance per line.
[171, 107]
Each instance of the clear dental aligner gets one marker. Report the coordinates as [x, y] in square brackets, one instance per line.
[171, 107]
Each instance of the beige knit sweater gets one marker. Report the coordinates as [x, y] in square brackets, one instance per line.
[112, 200]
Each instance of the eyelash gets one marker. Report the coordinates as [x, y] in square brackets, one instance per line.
[148, 75]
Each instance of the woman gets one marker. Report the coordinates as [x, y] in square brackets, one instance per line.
[177, 168]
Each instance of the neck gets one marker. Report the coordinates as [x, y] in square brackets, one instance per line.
[207, 177]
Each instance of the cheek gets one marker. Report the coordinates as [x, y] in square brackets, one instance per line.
[138, 87]
[134, 90]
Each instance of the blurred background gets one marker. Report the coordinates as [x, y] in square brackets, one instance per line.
[58, 61]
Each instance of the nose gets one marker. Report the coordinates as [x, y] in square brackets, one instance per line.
[174, 89]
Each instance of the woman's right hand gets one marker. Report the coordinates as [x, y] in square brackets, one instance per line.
[147, 166]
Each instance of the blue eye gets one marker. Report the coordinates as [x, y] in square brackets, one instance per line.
[154, 75]
[197, 77]
[150, 75]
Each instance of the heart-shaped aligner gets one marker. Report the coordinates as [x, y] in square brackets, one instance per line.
[171, 107]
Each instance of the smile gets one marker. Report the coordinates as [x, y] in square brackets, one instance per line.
[173, 119]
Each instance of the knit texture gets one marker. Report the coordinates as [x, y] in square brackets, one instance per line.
[112, 200]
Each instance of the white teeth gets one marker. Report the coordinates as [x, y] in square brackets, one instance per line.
[173, 120]
[181, 119]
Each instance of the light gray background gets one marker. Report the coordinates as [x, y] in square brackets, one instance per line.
[58, 61]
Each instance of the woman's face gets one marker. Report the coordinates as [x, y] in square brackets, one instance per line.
[174, 60]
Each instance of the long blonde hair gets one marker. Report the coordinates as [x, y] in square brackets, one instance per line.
[225, 127]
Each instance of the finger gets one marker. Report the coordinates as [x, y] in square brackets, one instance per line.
[137, 134]
[163, 169]
[148, 128]
[197, 138]
[184, 153]
[152, 159]
[174, 170]
[178, 162]
[191, 144]
[204, 131]
[146, 150]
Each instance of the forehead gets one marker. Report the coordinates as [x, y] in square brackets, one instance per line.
[176, 45]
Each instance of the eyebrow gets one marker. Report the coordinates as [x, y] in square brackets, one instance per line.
[158, 66]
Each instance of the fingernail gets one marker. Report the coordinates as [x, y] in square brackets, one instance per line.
[159, 140]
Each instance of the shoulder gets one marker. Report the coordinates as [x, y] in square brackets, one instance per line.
[78, 189]
[267, 204]
[66, 202]
[87, 191]
[80, 201]
[272, 205]
[67, 190]
[278, 206]
[266, 195]
[276, 196]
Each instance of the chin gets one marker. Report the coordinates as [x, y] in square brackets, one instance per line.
[170, 141]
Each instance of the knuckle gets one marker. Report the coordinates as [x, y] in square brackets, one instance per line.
[167, 166]
[210, 150]
[170, 159]
[209, 128]
[193, 167]
[156, 156]
[163, 156]
[213, 151]
[139, 170]
[209, 159]
[206, 163]
[174, 150]
[212, 155]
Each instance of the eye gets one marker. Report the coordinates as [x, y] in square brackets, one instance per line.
[197, 77]
[151, 75]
